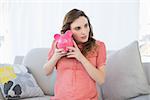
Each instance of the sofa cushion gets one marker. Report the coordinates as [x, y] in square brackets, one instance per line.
[35, 59]
[125, 77]
[17, 82]
[147, 71]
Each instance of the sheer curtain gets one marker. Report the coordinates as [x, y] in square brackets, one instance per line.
[144, 30]
[5, 39]
[32, 23]
[29, 25]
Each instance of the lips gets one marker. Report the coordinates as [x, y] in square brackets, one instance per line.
[83, 37]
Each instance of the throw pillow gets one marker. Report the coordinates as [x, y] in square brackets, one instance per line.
[16, 82]
[1, 96]
[125, 77]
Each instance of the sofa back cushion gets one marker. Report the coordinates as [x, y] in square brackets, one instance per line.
[125, 77]
[146, 66]
[35, 60]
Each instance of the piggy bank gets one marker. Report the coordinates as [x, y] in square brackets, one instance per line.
[64, 40]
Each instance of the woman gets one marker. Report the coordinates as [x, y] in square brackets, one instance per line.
[79, 69]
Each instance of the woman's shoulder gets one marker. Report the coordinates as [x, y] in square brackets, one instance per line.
[96, 48]
[100, 43]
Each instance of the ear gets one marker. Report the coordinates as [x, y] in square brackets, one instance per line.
[68, 33]
[57, 36]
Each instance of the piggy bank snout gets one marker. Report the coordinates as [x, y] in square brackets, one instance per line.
[64, 40]
[64, 44]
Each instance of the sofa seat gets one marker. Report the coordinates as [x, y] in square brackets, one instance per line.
[36, 58]
[38, 98]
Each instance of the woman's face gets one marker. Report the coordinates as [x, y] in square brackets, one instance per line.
[80, 29]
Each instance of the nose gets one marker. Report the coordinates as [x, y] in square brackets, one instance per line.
[84, 31]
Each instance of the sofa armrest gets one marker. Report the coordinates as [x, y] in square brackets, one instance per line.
[147, 71]
[18, 60]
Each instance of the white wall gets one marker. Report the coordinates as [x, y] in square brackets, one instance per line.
[33, 23]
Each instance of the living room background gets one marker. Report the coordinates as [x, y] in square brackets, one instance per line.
[31, 24]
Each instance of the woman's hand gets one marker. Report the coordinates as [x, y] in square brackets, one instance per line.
[58, 53]
[74, 52]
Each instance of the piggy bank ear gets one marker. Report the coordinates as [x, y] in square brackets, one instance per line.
[57, 36]
[68, 33]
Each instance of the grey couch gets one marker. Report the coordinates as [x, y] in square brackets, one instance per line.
[35, 60]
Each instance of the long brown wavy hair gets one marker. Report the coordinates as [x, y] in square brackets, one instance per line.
[69, 18]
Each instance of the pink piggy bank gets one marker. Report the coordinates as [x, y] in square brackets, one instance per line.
[64, 40]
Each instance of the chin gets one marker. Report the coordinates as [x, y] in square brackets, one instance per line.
[83, 41]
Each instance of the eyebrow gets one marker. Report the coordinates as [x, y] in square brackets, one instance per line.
[80, 26]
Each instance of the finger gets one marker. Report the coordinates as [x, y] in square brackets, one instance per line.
[71, 53]
[71, 48]
[59, 50]
[54, 44]
[70, 56]
[75, 44]
[63, 54]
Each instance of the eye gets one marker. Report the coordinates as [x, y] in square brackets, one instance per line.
[77, 28]
[86, 25]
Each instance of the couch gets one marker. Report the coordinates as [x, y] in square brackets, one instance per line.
[35, 59]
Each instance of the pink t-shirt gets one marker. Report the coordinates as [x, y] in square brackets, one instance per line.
[72, 80]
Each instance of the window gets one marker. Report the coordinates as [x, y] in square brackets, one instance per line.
[4, 40]
[1, 30]
[144, 32]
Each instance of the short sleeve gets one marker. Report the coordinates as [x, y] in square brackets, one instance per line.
[101, 54]
[51, 51]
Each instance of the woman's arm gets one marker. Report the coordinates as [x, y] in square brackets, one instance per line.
[96, 74]
[49, 66]
[58, 53]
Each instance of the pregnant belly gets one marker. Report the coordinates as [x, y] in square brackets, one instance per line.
[74, 83]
